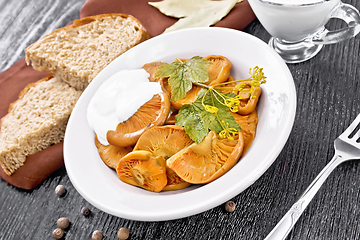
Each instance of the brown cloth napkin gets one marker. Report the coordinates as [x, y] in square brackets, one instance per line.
[40, 165]
[156, 22]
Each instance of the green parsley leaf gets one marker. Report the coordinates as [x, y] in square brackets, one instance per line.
[198, 122]
[181, 75]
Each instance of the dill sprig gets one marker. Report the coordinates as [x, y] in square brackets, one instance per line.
[232, 102]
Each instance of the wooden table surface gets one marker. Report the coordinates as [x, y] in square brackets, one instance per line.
[327, 101]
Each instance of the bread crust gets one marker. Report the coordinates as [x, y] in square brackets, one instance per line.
[35, 121]
[64, 71]
[86, 20]
[25, 90]
[14, 151]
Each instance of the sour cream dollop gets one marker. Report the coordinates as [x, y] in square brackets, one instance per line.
[117, 99]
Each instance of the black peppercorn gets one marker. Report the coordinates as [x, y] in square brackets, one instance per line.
[58, 233]
[123, 233]
[63, 222]
[60, 190]
[85, 211]
[97, 235]
[230, 206]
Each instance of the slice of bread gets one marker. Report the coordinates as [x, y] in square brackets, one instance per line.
[78, 52]
[35, 121]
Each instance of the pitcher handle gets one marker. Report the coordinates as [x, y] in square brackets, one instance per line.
[351, 16]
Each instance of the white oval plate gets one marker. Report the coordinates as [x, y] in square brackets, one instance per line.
[101, 187]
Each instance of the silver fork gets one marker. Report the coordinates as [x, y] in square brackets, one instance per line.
[347, 147]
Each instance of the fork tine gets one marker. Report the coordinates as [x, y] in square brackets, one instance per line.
[346, 148]
[356, 134]
[353, 129]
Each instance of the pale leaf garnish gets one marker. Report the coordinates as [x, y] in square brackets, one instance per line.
[199, 13]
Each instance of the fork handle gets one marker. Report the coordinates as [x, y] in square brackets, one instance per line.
[283, 228]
